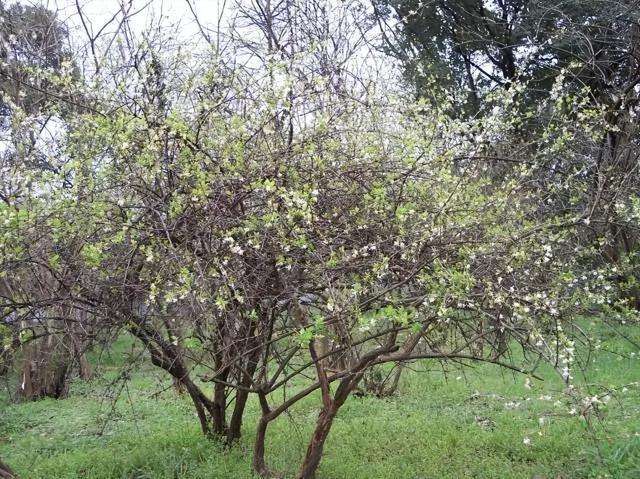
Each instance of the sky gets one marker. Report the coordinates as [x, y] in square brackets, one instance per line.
[104, 16]
[98, 12]
[213, 15]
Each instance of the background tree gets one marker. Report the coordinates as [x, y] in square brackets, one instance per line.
[472, 46]
[39, 92]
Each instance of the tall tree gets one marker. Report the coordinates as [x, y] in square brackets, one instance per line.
[472, 46]
[33, 44]
[39, 91]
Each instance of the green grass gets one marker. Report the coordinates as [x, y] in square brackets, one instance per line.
[440, 425]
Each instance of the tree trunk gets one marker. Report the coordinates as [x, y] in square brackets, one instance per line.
[166, 356]
[85, 367]
[198, 403]
[45, 370]
[218, 415]
[259, 464]
[331, 405]
[316, 446]
[80, 344]
[235, 425]
[177, 385]
[6, 472]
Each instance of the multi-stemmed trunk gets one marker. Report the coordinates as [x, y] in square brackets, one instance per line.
[168, 357]
[331, 405]
[50, 360]
[349, 380]
[211, 412]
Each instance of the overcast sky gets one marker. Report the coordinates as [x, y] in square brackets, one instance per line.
[176, 13]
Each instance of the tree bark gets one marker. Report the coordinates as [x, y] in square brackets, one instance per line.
[166, 356]
[45, 370]
[331, 405]
[198, 403]
[80, 345]
[235, 424]
[6, 472]
[84, 366]
[218, 415]
[259, 464]
[316, 446]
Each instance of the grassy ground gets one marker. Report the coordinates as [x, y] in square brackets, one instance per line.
[438, 426]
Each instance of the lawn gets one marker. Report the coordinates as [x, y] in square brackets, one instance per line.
[478, 423]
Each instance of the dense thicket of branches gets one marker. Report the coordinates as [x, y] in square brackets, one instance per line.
[587, 49]
[267, 211]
